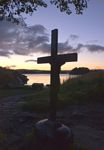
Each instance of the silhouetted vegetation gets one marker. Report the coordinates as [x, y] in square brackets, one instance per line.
[11, 9]
[79, 71]
[38, 86]
[11, 78]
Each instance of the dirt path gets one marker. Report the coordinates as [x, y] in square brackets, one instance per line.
[14, 123]
[90, 138]
[87, 122]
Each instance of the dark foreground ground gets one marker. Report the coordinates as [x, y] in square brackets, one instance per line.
[86, 121]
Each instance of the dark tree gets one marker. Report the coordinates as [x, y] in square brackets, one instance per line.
[12, 9]
[79, 71]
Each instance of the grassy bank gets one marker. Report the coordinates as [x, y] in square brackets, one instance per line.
[86, 88]
[80, 90]
[15, 91]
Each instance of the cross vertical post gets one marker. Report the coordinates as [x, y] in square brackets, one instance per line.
[55, 69]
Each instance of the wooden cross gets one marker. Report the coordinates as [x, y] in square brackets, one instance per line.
[56, 61]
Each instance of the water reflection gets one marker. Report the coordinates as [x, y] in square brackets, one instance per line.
[44, 78]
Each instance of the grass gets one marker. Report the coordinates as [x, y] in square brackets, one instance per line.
[80, 90]
[38, 102]
[2, 136]
[86, 88]
[16, 91]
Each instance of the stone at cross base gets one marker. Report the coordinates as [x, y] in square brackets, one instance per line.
[51, 134]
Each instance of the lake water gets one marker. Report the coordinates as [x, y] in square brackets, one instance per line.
[45, 78]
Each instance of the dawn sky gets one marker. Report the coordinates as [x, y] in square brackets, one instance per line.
[20, 46]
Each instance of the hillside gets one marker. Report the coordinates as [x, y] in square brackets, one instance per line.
[11, 78]
[84, 89]
[80, 90]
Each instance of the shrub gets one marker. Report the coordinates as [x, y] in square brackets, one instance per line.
[38, 86]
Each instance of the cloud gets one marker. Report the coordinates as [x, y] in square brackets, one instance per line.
[22, 40]
[65, 47]
[90, 47]
[79, 47]
[74, 37]
[62, 48]
[94, 48]
[16, 39]
[31, 60]
[5, 53]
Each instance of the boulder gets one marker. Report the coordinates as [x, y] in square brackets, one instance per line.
[53, 136]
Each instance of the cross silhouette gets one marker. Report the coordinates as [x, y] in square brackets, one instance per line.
[56, 61]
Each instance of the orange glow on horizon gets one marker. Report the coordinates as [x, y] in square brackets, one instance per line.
[67, 66]
[84, 60]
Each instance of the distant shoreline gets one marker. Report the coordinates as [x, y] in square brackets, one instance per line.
[22, 71]
[45, 73]
[26, 71]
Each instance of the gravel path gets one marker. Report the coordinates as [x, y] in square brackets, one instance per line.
[87, 122]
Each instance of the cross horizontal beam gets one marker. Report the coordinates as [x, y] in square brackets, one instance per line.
[58, 58]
